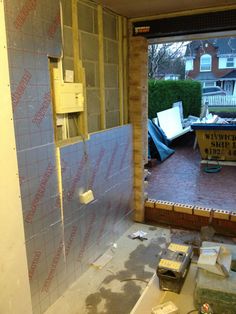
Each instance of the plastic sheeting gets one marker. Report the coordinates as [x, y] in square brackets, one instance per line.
[158, 143]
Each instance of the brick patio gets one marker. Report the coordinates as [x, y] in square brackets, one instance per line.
[181, 178]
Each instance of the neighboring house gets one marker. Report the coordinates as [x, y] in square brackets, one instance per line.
[213, 63]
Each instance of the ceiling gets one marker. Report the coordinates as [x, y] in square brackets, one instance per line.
[145, 8]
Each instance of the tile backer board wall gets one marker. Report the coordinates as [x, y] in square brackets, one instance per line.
[60, 245]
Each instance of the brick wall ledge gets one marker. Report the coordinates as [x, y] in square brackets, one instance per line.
[190, 217]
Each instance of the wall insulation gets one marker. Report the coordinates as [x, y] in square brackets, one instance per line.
[62, 235]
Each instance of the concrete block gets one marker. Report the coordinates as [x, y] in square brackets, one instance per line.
[89, 47]
[111, 52]
[112, 119]
[164, 205]
[202, 211]
[90, 71]
[94, 123]
[112, 100]
[150, 203]
[93, 102]
[86, 17]
[68, 46]
[111, 75]
[67, 10]
[68, 64]
[110, 25]
[221, 214]
[183, 208]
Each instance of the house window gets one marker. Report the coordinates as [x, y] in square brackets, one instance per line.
[205, 63]
[230, 62]
[209, 84]
[189, 65]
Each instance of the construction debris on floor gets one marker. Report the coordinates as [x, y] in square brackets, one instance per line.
[124, 279]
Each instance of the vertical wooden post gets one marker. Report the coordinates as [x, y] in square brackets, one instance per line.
[138, 104]
[78, 68]
[121, 68]
[101, 67]
[125, 69]
[75, 33]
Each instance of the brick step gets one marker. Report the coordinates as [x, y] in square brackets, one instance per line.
[190, 216]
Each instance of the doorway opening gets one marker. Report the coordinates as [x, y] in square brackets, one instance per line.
[211, 62]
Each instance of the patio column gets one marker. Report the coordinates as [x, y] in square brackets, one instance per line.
[138, 106]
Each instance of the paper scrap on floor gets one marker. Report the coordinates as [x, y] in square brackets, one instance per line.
[215, 259]
[102, 261]
[165, 308]
[138, 234]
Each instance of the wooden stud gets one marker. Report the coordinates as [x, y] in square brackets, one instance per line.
[101, 67]
[125, 65]
[121, 69]
[75, 33]
[79, 70]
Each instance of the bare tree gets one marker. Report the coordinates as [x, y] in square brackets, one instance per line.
[165, 58]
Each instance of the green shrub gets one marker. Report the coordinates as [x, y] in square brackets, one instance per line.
[162, 94]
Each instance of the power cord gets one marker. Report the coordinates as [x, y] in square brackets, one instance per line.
[192, 311]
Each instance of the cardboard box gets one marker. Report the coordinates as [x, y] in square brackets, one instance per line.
[215, 259]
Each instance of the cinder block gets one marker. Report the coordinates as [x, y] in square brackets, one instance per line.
[233, 217]
[202, 211]
[221, 214]
[150, 203]
[164, 205]
[183, 208]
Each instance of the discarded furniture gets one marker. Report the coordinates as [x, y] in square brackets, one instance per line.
[170, 122]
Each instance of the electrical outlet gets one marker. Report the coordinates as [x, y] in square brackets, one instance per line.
[86, 197]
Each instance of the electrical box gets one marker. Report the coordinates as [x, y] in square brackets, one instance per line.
[68, 97]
